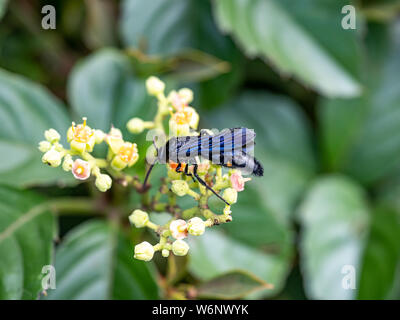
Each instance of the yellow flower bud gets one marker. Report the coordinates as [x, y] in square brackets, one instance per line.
[154, 86]
[52, 158]
[180, 187]
[196, 226]
[99, 136]
[230, 195]
[144, 251]
[139, 218]
[68, 162]
[52, 135]
[186, 95]
[44, 146]
[135, 125]
[165, 253]
[180, 248]
[103, 182]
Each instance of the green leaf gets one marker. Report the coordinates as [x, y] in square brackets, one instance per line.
[231, 285]
[381, 256]
[95, 261]
[215, 253]
[103, 88]
[334, 219]
[26, 233]
[3, 7]
[177, 27]
[283, 144]
[299, 38]
[361, 136]
[26, 111]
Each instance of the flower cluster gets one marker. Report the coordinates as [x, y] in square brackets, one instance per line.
[78, 159]
[183, 121]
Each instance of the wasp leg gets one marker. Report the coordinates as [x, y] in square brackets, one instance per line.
[206, 185]
[178, 167]
[189, 174]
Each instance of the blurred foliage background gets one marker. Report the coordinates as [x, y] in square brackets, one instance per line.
[324, 101]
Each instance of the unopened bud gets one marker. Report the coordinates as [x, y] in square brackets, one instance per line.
[180, 248]
[44, 146]
[230, 195]
[52, 158]
[52, 135]
[68, 163]
[154, 86]
[135, 125]
[180, 187]
[139, 218]
[144, 251]
[196, 226]
[186, 95]
[165, 253]
[103, 182]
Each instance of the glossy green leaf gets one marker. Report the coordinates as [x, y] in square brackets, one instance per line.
[103, 88]
[334, 218]
[232, 285]
[176, 28]
[95, 261]
[299, 38]
[3, 7]
[361, 136]
[381, 256]
[26, 111]
[26, 243]
[283, 144]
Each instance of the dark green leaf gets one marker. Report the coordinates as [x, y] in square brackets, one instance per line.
[381, 256]
[361, 136]
[334, 218]
[26, 243]
[3, 7]
[175, 28]
[26, 111]
[299, 38]
[231, 285]
[95, 261]
[103, 88]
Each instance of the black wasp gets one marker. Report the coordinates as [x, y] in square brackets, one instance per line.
[232, 148]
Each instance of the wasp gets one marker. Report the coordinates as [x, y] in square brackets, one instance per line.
[231, 148]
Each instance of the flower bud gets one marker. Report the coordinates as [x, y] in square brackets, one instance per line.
[68, 163]
[103, 182]
[186, 95]
[99, 136]
[180, 248]
[196, 226]
[135, 125]
[139, 218]
[154, 86]
[180, 187]
[81, 169]
[230, 195]
[52, 158]
[44, 146]
[52, 135]
[178, 229]
[165, 253]
[144, 251]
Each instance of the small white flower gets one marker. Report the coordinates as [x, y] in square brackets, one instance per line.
[180, 187]
[178, 229]
[81, 169]
[230, 195]
[44, 146]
